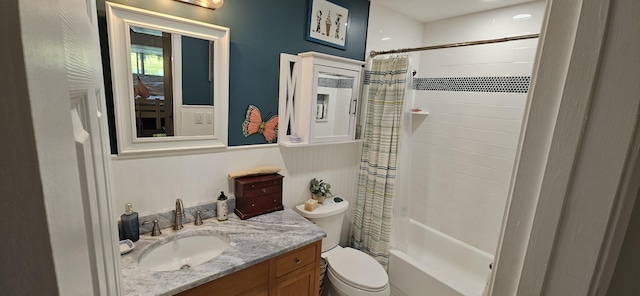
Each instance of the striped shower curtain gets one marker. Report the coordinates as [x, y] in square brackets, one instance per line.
[371, 227]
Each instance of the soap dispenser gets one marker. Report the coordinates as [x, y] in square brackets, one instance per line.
[129, 223]
[223, 208]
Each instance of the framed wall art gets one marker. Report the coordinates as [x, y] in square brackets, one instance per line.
[327, 23]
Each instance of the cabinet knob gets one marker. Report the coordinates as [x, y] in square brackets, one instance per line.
[298, 261]
[264, 190]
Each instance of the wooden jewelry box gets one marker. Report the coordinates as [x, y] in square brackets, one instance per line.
[257, 195]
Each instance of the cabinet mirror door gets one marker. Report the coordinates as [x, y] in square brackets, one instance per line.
[333, 107]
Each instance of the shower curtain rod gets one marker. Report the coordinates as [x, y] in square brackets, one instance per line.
[461, 44]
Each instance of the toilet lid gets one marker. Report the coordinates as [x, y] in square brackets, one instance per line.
[358, 269]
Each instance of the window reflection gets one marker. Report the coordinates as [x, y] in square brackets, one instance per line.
[150, 59]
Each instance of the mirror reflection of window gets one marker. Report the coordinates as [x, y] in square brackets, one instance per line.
[146, 60]
[153, 100]
[155, 95]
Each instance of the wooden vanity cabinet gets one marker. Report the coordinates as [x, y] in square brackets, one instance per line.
[295, 273]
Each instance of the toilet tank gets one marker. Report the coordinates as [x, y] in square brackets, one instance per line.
[328, 216]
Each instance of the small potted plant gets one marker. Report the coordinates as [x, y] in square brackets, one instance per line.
[319, 189]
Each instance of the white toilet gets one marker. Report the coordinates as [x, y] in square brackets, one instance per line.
[350, 272]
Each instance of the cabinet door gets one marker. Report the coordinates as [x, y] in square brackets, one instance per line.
[333, 104]
[298, 283]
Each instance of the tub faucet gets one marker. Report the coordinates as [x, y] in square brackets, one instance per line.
[179, 214]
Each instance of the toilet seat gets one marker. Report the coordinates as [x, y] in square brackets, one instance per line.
[357, 269]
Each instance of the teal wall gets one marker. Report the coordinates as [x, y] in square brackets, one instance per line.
[260, 31]
[197, 89]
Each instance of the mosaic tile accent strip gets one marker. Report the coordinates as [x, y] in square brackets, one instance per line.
[505, 84]
[335, 83]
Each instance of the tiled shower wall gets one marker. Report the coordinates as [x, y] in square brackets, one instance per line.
[464, 150]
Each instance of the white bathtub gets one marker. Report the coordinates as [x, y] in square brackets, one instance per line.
[437, 264]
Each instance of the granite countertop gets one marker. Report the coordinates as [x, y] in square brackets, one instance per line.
[252, 241]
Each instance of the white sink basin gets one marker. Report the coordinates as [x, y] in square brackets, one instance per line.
[184, 252]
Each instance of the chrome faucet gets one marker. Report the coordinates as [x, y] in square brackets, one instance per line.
[179, 214]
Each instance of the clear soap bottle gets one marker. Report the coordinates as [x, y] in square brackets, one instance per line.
[223, 208]
[129, 223]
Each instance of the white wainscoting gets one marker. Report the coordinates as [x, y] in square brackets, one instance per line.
[153, 184]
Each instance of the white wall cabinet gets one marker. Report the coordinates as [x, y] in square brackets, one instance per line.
[319, 99]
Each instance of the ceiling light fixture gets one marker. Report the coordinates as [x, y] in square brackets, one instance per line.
[211, 4]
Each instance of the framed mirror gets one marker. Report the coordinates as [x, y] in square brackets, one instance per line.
[170, 82]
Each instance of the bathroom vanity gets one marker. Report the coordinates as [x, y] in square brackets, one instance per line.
[292, 273]
[272, 254]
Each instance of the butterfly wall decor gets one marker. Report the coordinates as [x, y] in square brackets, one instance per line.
[253, 124]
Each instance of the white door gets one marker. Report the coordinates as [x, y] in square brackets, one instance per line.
[578, 171]
[88, 116]
[63, 69]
